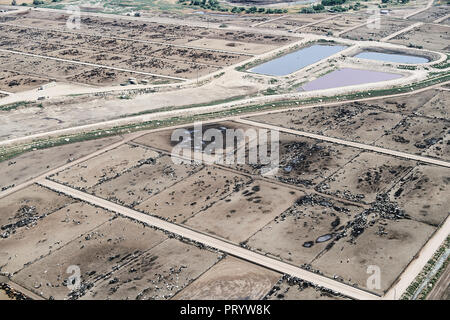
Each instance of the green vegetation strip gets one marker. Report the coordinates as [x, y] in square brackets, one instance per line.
[190, 106]
[413, 287]
[14, 150]
[444, 64]
[16, 105]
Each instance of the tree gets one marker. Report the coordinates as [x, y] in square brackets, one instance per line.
[307, 10]
[319, 7]
[333, 2]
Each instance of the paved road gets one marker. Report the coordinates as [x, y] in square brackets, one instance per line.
[348, 143]
[217, 243]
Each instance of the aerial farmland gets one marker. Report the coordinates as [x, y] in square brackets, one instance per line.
[355, 99]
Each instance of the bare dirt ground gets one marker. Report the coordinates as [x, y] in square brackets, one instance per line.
[390, 250]
[107, 77]
[159, 273]
[194, 194]
[16, 82]
[104, 166]
[347, 121]
[137, 184]
[387, 26]
[162, 140]
[231, 279]
[4, 296]
[304, 161]
[422, 194]
[97, 253]
[298, 229]
[27, 206]
[336, 25]
[441, 149]
[296, 289]
[137, 46]
[363, 178]
[416, 124]
[414, 135]
[291, 22]
[436, 107]
[431, 14]
[242, 213]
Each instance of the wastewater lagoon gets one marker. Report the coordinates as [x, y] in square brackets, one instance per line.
[392, 57]
[296, 60]
[348, 77]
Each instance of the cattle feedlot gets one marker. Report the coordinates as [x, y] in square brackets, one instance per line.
[223, 150]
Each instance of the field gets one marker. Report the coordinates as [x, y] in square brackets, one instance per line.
[158, 274]
[432, 14]
[336, 25]
[110, 52]
[431, 36]
[415, 124]
[93, 171]
[97, 252]
[292, 22]
[388, 26]
[231, 279]
[298, 229]
[390, 246]
[49, 234]
[289, 288]
[38, 162]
